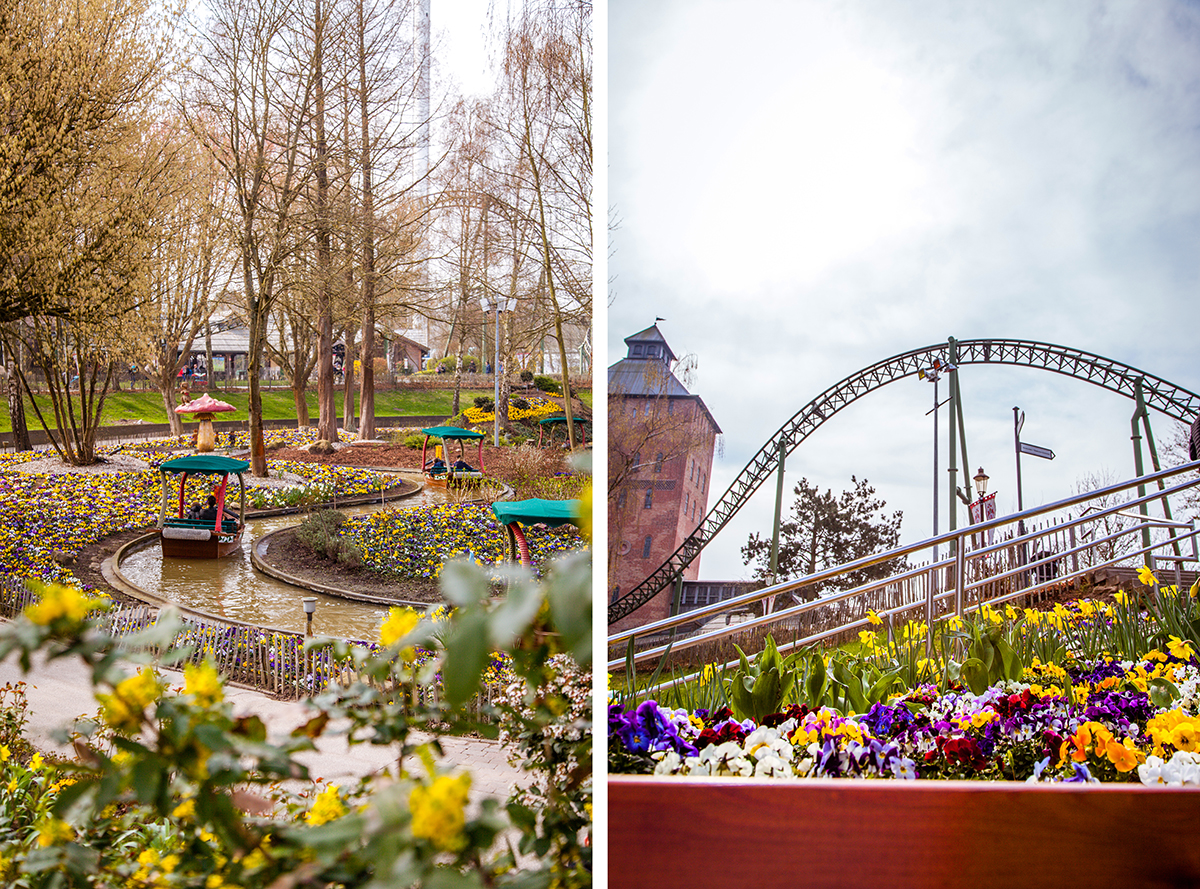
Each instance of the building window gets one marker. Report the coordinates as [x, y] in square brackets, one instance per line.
[638, 349]
[646, 547]
[658, 458]
[621, 498]
[616, 594]
[649, 499]
[670, 406]
[686, 502]
[703, 479]
[637, 461]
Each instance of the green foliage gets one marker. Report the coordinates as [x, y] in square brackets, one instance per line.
[526, 376]
[321, 533]
[758, 689]
[484, 403]
[547, 384]
[823, 530]
[164, 782]
[470, 364]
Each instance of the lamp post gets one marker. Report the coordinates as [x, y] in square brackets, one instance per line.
[932, 375]
[981, 480]
[310, 605]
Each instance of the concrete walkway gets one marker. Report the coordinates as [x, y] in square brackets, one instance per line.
[60, 691]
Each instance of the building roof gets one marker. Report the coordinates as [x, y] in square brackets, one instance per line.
[649, 375]
[650, 335]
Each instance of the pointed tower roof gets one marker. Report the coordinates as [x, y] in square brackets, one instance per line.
[650, 335]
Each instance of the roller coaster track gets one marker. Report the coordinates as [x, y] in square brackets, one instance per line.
[1163, 396]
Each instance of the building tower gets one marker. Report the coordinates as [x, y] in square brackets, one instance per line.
[660, 454]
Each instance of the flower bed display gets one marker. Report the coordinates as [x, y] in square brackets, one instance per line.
[996, 767]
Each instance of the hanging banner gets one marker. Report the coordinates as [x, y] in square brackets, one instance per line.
[984, 510]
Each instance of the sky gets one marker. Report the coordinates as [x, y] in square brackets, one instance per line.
[801, 189]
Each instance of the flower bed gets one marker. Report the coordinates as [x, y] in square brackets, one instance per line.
[1073, 768]
[1093, 717]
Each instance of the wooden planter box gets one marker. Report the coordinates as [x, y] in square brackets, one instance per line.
[886, 834]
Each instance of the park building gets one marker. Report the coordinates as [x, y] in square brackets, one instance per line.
[661, 444]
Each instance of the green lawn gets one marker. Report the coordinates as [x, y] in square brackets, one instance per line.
[277, 404]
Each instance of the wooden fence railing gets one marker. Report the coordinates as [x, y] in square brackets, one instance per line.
[271, 661]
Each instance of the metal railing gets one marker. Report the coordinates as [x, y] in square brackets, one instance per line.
[991, 570]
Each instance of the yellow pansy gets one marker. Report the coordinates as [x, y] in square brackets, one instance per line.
[328, 806]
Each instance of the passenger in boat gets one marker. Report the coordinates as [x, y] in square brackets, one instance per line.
[463, 466]
[209, 514]
[436, 466]
[194, 510]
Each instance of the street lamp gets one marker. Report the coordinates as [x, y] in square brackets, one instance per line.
[310, 605]
[981, 480]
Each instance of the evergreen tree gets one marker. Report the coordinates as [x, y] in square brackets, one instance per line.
[826, 530]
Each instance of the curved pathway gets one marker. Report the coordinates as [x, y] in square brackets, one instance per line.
[61, 690]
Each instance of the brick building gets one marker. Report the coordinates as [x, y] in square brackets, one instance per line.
[661, 442]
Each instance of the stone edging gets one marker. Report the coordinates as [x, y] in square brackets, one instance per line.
[261, 564]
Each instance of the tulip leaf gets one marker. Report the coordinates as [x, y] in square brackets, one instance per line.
[974, 673]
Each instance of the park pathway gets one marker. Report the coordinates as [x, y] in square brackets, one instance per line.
[59, 691]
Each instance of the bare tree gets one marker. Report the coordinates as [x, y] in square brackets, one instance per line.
[253, 91]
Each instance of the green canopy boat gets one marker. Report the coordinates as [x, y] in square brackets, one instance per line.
[197, 532]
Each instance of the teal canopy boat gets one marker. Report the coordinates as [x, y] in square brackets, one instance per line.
[200, 531]
[514, 513]
[440, 471]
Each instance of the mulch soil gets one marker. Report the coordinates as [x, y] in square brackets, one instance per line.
[288, 554]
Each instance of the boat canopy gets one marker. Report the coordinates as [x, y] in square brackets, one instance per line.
[513, 513]
[537, 512]
[205, 464]
[451, 432]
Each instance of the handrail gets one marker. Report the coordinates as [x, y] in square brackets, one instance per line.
[959, 537]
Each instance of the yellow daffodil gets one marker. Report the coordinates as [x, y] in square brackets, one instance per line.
[1146, 576]
[874, 618]
[1179, 648]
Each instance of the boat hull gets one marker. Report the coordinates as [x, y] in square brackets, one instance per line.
[214, 546]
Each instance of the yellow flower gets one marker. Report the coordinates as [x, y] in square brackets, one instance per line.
[185, 811]
[1124, 758]
[36, 762]
[124, 708]
[4, 753]
[1195, 590]
[54, 832]
[1184, 737]
[328, 806]
[437, 811]
[1146, 576]
[1121, 597]
[874, 618]
[399, 623]
[59, 602]
[203, 683]
[1179, 648]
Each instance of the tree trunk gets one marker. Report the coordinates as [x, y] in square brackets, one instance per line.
[300, 398]
[16, 410]
[457, 380]
[366, 399]
[326, 398]
[166, 388]
[348, 387]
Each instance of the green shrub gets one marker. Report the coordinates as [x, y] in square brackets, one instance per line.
[470, 364]
[546, 384]
[484, 403]
[526, 376]
[519, 403]
[320, 533]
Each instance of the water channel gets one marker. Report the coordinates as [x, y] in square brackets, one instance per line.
[231, 588]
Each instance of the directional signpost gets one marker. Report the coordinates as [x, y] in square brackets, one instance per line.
[1033, 451]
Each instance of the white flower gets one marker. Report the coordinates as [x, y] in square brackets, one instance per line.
[1150, 772]
[669, 763]
[771, 766]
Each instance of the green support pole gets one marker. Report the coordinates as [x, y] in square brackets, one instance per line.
[1136, 437]
[953, 469]
[676, 595]
[778, 513]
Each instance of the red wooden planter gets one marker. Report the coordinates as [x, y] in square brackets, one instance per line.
[689, 832]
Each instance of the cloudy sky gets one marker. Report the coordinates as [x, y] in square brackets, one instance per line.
[802, 189]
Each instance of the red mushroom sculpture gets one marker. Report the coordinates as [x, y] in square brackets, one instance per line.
[203, 408]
